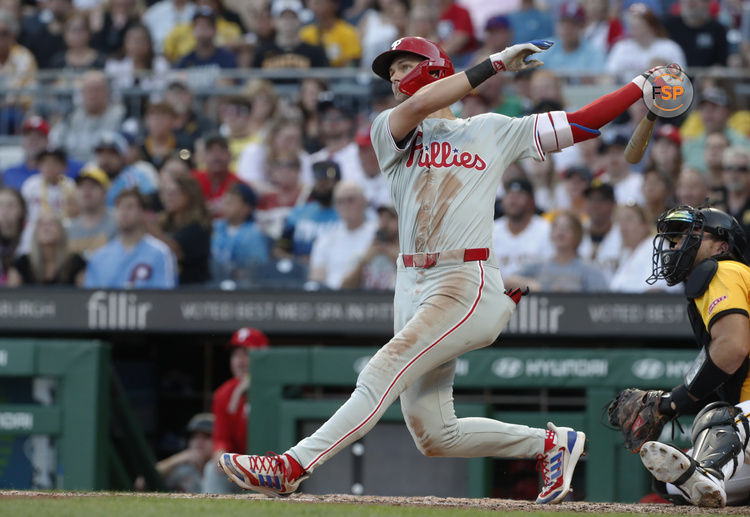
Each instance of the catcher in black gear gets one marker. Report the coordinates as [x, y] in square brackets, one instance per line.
[704, 248]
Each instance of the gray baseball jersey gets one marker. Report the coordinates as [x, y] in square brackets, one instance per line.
[443, 181]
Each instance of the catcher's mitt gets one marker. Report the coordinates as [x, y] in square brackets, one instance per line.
[636, 413]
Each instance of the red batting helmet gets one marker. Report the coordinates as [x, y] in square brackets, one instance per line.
[248, 337]
[436, 60]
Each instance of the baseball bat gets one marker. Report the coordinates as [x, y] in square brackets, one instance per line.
[639, 141]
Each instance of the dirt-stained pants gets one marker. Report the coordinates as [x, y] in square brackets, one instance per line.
[440, 313]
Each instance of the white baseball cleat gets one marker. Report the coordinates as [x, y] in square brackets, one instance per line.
[269, 475]
[558, 463]
[670, 465]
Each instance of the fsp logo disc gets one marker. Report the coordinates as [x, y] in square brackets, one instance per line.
[668, 92]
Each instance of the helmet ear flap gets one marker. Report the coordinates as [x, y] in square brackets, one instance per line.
[419, 76]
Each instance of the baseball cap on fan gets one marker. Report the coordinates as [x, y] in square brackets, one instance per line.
[572, 12]
[279, 7]
[669, 132]
[249, 337]
[36, 123]
[520, 185]
[201, 423]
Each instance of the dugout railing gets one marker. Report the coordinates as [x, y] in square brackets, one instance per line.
[65, 421]
[292, 385]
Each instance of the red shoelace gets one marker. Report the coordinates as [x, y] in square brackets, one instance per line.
[542, 466]
[271, 463]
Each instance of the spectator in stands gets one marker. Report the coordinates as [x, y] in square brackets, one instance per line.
[373, 181]
[12, 222]
[237, 243]
[627, 183]
[230, 408]
[530, 23]
[380, 26]
[284, 143]
[716, 143]
[79, 131]
[206, 55]
[549, 193]
[247, 119]
[78, 55]
[575, 182]
[190, 124]
[423, 22]
[133, 259]
[183, 471]
[184, 226]
[34, 140]
[565, 271]
[111, 25]
[692, 188]
[646, 45]
[111, 150]
[571, 52]
[181, 41]
[310, 90]
[138, 66]
[217, 177]
[163, 16]
[665, 154]
[715, 107]
[520, 235]
[376, 269]
[284, 191]
[601, 242]
[95, 225]
[736, 163]
[287, 50]
[658, 193]
[42, 32]
[49, 261]
[455, 30]
[337, 134]
[703, 39]
[498, 34]
[337, 250]
[17, 70]
[603, 27]
[49, 189]
[159, 142]
[636, 255]
[339, 39]
[306, 222]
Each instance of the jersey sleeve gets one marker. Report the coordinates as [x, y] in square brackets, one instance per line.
[516, 136]
[726, 294]
[387, 150]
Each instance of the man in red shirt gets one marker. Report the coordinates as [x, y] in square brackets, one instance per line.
[455, 30]
[230, 407]
[217, 177]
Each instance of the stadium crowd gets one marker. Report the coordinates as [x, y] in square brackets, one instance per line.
[140, 182]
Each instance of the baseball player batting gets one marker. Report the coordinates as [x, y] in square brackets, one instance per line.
[443, 173]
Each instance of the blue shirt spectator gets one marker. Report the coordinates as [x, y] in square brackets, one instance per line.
[133, 259]
[238, 246]
[571, 51]
[305, 222]
[148, 264]
[15, 176]
[529, 23]
[111, 150]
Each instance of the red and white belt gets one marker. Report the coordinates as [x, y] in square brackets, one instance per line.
[427, 260]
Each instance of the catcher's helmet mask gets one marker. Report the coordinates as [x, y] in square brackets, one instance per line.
[435, 63]
[673, 263]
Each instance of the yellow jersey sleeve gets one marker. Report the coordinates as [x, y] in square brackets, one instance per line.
[727, 293]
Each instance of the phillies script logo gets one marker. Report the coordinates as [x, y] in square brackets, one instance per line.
[715, 303]
[443, 154]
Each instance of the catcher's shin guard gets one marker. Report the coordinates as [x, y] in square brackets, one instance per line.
[720, 435]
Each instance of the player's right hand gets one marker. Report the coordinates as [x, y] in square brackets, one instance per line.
[514, 58]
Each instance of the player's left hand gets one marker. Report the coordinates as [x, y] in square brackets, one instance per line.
[636, 413]
[514, 58]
